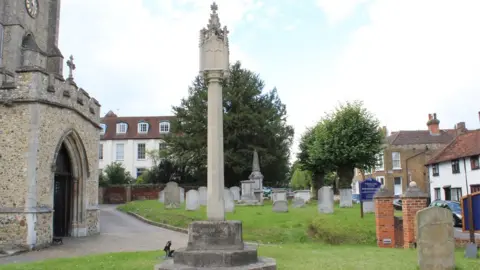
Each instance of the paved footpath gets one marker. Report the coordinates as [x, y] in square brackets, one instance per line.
[119, 232]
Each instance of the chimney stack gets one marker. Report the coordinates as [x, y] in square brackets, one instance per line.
[460, 128]
[433, 124]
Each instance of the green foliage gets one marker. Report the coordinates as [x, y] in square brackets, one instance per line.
[102, 180]
[301, 179]
[253, 119]
[349, 137]
[115, 174]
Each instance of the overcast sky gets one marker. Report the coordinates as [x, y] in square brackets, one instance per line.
[403, 58]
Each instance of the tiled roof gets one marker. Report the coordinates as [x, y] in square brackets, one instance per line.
[408, 137]
[465, 145]
[111, 120]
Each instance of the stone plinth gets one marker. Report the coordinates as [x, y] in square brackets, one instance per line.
[216, 245]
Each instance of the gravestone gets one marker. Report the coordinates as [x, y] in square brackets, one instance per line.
[368, 207]
[192, 200]
[435, 239]
[325, 200]
[161, 196]
[228, 200]
[280, 206]
[279, 194]
[298, 202]
[172, 195]
[182, 194]
[304, 194]
[202, 192]
[346, 198]
[236, 193]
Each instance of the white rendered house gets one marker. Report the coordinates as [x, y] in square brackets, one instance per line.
[127, 140]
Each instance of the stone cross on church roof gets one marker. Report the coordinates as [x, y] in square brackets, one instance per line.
[71, 67]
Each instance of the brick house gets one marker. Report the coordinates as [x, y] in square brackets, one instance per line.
[408, 151]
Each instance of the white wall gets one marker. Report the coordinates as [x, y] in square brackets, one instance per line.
[130, 161]
[446, 177]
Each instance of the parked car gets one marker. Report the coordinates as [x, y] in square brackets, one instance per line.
[453, 206]
[397, 204]
[267, 192]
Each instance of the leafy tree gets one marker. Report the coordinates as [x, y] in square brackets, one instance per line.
[301, 179]
[253, 119]
[116, 174]
[349, 137]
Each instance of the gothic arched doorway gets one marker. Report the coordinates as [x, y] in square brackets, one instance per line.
[62, 194]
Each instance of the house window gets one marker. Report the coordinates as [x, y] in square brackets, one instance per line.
[455, 166]
[104, 128]
[141, 151]
[438, 194]
[1, 44]
[119, 151]
[474, 163]
[456, 194]
[162, 146]
[381, 179]
[474, 188]
[435, 170]
[140, 171]
[142, 127]
[379, 166]
[122, 128]
[100, 152]
[164, 127]
[397, 185]
[396, 162]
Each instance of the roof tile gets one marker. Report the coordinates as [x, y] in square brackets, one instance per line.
[465, 145]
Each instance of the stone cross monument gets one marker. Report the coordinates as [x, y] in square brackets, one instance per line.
[215, 243]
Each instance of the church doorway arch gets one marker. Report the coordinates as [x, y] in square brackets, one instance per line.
[62, 194]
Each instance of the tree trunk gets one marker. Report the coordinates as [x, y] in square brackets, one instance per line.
[345, 175]
[318, 180]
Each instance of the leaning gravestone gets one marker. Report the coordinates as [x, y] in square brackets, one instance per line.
[280, 206]
[346, 198]
[298, 202]
[202, 191]
[161, 196]
[172, 195]
[192, 200]
[236, 193]
[182, 194]
[228, 200]
[325, 200]
[435, 239]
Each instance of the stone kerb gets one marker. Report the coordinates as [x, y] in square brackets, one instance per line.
[384, 218]
[52, 90]
[413, 200]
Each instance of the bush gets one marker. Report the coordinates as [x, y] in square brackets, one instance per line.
[343, 227]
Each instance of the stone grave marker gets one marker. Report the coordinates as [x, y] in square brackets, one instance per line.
[304, 194]
[192, 200]
[435, 239]
[172, 195]
[325, 200]
[346, 198]
[368, 207]
[280, 206]
[202, 191]
[182, 194]
[298, 202]
[228, 200]
[161, 196]
[279, 194]
[236, 193]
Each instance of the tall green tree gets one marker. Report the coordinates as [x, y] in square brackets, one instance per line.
[349, 137]
[301, 179]
[253, 119]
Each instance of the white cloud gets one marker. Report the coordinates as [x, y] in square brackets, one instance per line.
[338, 10]
[138, 60]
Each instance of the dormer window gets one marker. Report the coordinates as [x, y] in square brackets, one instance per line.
[122, 128]
[104, 129]
[164, 127]
[142, 127]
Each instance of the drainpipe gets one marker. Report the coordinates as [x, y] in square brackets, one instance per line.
[466, 178]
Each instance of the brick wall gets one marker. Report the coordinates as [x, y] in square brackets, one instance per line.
[123, 193]
[384, 221]
[410, 207]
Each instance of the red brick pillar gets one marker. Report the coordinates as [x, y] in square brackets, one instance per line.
[413, 200]
[384, 218]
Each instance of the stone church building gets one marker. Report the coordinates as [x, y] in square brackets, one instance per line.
[49, 133]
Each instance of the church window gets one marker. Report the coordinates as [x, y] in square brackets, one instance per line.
[1, 44]
[164, 127]
[122, 128]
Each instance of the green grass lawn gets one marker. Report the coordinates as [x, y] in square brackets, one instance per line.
[261, 225]
[288, 256]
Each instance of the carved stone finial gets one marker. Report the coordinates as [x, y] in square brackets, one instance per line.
[71, 67]
[214, 7]
[256, 162]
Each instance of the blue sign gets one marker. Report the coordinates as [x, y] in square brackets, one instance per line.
[368, 188]
[475, 210]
